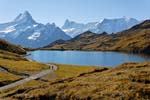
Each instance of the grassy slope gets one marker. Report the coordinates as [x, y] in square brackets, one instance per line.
[17, 65]
[117, 83]
[4, 45]
[11, 59]
[64, 72]
[11, 56]
[15, 62]
[6, 78]
[25, 87]
[22, 66]
[8, 54]
[128, 81]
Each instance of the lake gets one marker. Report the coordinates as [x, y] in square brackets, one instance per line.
[90, 58]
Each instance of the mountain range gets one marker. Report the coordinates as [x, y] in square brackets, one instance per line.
[25, 31]
[135, 40]
[106, 25]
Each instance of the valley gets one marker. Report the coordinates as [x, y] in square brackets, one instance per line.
[77, 82]
[14, 67]
[128, 80]
[71, 81]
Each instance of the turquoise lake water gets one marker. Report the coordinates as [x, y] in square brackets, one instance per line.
[90, 58]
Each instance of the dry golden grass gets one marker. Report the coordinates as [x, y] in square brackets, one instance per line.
[6, 78]
[22, 66]
[129, 81]
[65, 71]
[22, 88]
[17, 65]
[4, 45]
[11, 56]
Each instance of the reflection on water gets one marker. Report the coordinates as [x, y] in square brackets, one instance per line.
[90, 58]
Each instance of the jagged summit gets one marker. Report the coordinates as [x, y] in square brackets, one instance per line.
[23, 30]
[51, 25]
[67, 21]
[106, 25]
[23, 17]
[71, 24]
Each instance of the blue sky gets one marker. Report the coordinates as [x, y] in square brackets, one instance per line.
[58, 11]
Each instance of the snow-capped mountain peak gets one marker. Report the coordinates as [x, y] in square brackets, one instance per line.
[106, 25]
[23, 30]
[72, 24]
[24, 17]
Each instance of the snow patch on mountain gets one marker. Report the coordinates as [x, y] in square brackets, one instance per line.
[35, 25]
[34, 36]
[68, 30]
[9, 29]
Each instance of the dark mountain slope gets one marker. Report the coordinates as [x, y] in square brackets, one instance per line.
[6, 46]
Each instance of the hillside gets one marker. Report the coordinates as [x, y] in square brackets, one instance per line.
[6, 46]
[129, 81]
[135, 40]
[13, 65]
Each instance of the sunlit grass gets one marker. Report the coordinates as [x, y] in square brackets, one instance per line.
[29, 85]
[6, 78]
[127, 81]
[65, 71]
[11, 56]
[22, 66]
